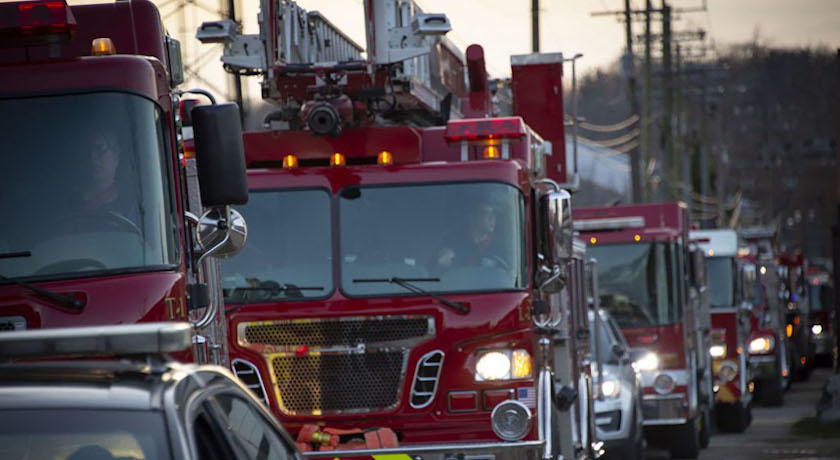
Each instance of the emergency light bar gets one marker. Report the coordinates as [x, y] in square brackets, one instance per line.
[609, 223]
[35, 23]
[132, 339]
[479, 129]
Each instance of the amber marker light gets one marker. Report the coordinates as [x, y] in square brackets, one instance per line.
[337, 159]
[102, 47]
[593, 240]
[491, 152]
[385, 158]
[638, 238]
[290, 162]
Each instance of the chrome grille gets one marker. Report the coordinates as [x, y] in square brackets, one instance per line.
[250, 376]
[332, 383]
[337, 365]
[12, 323]
[426, 379]
[333, 332]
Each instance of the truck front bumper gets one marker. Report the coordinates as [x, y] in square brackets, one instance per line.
[664, 409]
[764, 367]
[529, 450]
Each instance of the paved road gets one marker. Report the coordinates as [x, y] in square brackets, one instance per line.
[769, 437]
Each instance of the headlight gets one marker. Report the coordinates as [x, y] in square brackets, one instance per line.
[727, 371]
[503, 365]
[816, 329]
[610, 388]
[762, 345]
[664, 384]
[717, 351]
[649, 362]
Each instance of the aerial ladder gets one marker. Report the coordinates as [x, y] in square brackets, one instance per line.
[323, 81]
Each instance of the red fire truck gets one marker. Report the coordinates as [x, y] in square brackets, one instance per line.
[769, 345]
[643, 265]
[821, 302]
[101, 205]
[404, 275]
[794, 296]
[731, 296]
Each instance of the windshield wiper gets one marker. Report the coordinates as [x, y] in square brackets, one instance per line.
[271, 288]
[406, 283]
[67, 300]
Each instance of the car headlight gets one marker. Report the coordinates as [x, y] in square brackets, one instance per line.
[816, 329]
[727, 371]
[610, 388]
[762, 345]
[503, 365]
[717, 351]
[649, 362]
[664, 384]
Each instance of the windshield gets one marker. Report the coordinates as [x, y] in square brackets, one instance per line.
[443, 238]
[721, 277]
[288, 255]
[85, 185]
[82, 435]
[633, 283]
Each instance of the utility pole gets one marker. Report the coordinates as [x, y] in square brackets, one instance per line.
[666, 165]
[835, 230]
[535, 26]
[704, 143]
[681, 156]
[648, 100]
[635, 161]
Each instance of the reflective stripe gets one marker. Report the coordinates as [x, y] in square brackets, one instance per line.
[392, 457]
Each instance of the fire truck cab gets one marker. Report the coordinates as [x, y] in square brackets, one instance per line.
[731, 296]
[107, 221]
[408, 267]
[644, 282]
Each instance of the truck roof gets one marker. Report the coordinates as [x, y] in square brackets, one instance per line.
[508, 171]
[134, 26]
[615, 224]
[721, 242]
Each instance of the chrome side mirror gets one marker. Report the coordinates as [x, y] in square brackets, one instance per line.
[551, 280]
[221, 232]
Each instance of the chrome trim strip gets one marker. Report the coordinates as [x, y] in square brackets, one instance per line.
[255, 371]
[664, 397]
[431, 396]
[536, 58]
[664, 421]
[486, 447]
[762, 359]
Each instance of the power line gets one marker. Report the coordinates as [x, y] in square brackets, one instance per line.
[609, 128]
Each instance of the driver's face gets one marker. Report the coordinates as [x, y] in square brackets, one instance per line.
[485, 219]
[104, 160]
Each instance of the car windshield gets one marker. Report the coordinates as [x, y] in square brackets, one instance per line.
[441, 237]
[85, 185]
[721, 278]
[71, 434]
[634, 283]
[289, 250]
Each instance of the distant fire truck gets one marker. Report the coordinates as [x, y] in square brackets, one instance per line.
[794, 297]
[731, 296]
[768, 344]
[644, 268]
[104, 211]
[407, 263]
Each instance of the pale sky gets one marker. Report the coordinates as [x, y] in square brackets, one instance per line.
[503, 27]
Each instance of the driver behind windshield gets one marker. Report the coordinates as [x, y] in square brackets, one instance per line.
[103, 202]
[474, 243]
